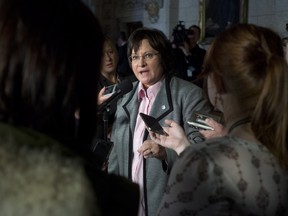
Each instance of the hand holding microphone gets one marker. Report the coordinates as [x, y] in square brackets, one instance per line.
[102, 97]
[122, 88]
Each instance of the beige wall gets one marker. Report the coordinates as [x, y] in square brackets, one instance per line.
[114, 14]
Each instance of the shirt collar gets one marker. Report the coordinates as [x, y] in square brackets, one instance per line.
[151, 92]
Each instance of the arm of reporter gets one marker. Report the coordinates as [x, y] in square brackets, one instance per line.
[176, 139]
[218, 131]
[101, 98]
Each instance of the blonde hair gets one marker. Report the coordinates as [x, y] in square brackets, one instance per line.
[108, 42]
[248, 62]
[109, 46]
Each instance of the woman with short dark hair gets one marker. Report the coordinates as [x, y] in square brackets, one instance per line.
[160, 95]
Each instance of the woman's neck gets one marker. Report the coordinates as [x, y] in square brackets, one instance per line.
[237, 120]
[111, 77]
[241, 127]
[237, 123]
[245, 132]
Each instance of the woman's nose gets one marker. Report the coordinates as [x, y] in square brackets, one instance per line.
[107, 56]
[142, 61]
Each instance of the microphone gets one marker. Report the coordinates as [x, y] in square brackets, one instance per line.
[122, 88]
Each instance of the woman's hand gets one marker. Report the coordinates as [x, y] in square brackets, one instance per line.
[218, 131]
[101, 98]
[176, 138]
[185, 48]
[151, 149]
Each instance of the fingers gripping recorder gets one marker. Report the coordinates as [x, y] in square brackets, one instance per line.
[197, 120]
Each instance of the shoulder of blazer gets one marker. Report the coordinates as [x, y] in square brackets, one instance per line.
[183, 84]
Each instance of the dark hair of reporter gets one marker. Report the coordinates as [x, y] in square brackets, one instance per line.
[256, 73]
[48, 67]
[157, 41]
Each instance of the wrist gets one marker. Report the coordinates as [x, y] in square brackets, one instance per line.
[182, 146]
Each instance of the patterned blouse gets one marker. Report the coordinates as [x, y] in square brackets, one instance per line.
[226, 176]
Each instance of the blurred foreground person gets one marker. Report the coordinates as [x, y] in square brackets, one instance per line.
[39, 177]
[244, 172]
[49, 52]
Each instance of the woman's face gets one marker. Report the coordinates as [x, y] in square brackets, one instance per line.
[146, 64]
[109, 58]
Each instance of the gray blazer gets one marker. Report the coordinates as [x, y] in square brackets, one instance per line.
[176, 100]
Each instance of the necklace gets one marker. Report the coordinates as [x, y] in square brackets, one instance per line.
[239, 122]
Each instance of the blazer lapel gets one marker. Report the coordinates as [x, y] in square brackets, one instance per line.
[163, 101]
[161, 108]
[131, 106]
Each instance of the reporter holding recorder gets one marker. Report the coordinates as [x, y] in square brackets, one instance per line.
[108, 77]
[244, 172]
[162, 96]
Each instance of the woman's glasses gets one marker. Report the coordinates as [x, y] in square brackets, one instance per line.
[146, 57]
